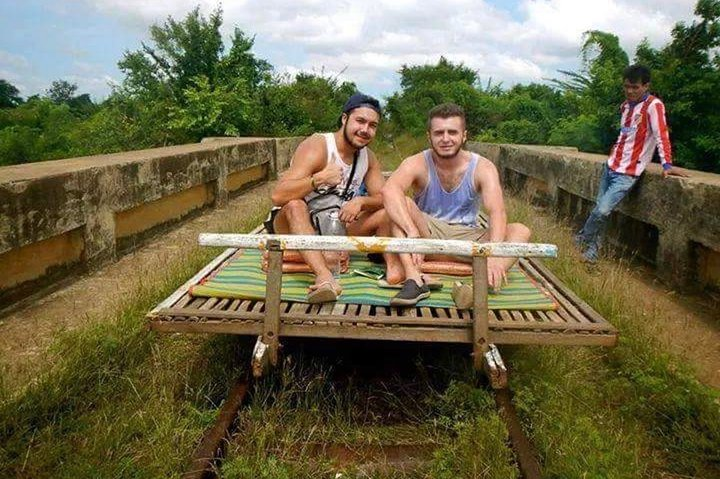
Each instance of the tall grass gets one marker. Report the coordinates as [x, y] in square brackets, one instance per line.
[311, 404]
[630, 411]
[392, 150]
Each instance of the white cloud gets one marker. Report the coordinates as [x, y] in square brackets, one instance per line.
[11, 60]
[90, 78]
[370, 41]
[17, 70]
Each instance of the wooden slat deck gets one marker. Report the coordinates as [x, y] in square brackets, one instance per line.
[574, 323]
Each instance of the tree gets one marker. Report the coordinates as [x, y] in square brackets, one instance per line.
[61, 91]
[686, 75]
[305, 105]
[445, 71]
[204, 90]
[425, 86]
[210, 111]
[582, 131]
[9, 95]
[241, 66]
[180, 52]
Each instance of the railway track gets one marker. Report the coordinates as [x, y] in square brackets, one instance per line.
[212, 447]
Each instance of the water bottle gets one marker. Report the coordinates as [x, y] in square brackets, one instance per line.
[335, 227]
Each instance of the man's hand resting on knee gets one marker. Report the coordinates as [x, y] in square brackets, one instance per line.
[497, 276]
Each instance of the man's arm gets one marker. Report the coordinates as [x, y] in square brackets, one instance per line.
[488, 180]
[308, 170]
[658, 125]
[393, 193]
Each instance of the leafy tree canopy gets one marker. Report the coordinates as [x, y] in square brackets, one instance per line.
[61, 91]
[9, 95]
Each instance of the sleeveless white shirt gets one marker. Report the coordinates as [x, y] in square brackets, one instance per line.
[334, 156]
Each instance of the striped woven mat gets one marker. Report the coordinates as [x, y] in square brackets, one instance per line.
[242, 277]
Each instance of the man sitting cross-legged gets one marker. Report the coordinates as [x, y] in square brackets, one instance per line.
[450, 185]
[324, 178]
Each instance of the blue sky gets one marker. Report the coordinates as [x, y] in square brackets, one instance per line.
[509, 41]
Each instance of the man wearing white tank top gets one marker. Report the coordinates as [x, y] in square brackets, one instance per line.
[450, 185]
[327, 170]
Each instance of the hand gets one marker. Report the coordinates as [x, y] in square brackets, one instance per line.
[351, 210]
[672, 171]
[497, 276]
[329, 176]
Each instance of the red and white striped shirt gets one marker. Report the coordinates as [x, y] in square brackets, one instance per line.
[642, 128]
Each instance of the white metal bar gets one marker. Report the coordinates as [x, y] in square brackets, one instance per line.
[372, 244]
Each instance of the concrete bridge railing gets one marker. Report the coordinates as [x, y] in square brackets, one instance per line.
[58, 218]
[673, 224]
[61, 217]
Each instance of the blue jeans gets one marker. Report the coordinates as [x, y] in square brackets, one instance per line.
[613, 188]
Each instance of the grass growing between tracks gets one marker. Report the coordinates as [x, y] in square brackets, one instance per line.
[422, 402]
[121, 401]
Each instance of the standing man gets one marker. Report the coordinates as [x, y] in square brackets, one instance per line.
[324, 179]
[450, 185]
[642, 129]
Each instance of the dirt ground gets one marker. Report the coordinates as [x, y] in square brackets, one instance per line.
[690, 326]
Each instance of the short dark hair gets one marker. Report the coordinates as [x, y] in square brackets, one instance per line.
[637, 73]
[445, 110]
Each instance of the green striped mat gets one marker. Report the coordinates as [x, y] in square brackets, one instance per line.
[242, 277]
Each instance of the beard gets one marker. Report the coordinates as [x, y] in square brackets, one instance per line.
[350, 141]
[446, 153]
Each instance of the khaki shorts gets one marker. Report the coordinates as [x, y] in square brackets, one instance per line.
[442, 230]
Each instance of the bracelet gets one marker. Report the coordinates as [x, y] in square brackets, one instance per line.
[312, 183]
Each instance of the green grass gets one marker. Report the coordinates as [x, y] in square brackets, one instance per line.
[428, 400]
[629, 411]
[392, 150]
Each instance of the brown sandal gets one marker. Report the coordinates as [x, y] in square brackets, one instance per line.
[324, 293]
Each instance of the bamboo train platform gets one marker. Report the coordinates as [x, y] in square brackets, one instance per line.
[573, 323]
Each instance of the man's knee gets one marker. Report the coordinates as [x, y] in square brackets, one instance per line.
[603, 210]
[381, 216]
[296, 210]
[518, 232]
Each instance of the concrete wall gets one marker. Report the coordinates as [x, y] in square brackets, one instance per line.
[61, 217]
[672, 223]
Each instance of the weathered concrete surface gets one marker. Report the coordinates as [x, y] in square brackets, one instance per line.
[675, 218]
[47, 200]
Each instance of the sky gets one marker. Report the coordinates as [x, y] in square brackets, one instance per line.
[504, 41]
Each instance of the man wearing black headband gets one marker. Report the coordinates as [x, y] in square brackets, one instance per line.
[323, 179]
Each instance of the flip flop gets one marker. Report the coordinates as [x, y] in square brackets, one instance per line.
[324, 293]
[432, 285]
